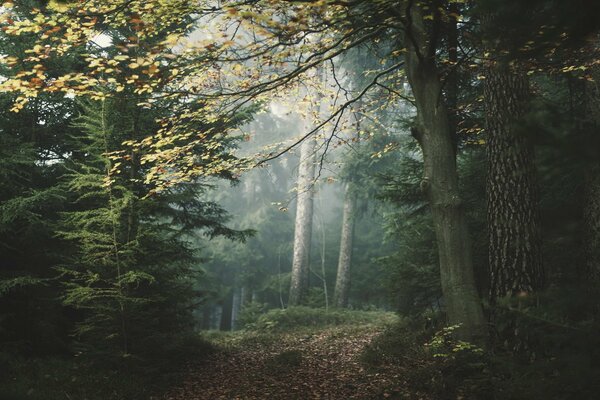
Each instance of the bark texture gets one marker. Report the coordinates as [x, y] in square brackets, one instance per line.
[591, 210]
[440, 181]
[592, 221]
[342, 282]
[513, 217]
[303, 225]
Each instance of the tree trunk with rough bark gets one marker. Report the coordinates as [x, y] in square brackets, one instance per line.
[592, 220]
[591, 208]
[303, 225]
[440, 181]
[342, 282]
[513, 216]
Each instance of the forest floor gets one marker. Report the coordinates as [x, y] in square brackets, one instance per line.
[308, 363]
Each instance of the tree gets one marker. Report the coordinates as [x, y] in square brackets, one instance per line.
[131, 268]
[303, 224]
[32, 147]
[284, 52]
[592, 181]
[342, 282]
[515, 257]
[440, 181]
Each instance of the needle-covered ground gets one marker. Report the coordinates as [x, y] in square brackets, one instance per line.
[280, 361]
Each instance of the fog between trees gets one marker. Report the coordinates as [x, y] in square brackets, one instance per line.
[347, 199]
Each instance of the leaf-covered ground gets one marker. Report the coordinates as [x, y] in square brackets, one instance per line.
[322, 363]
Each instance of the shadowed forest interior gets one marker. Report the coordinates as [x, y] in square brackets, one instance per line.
[312, 199]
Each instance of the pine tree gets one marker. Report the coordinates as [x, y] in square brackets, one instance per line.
[103, 229]
[32, 146]
[133, 270]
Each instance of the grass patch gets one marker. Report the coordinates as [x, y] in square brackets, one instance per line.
[295, 318]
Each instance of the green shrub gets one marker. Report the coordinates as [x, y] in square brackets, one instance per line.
[315, 297]
[302, 317]
[432, 363]
[250, 314]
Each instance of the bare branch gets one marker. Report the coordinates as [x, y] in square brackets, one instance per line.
[339, 111]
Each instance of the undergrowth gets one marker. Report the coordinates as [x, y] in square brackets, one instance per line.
[71, 377]
[429, 362]
[294, 318]
[539, 360]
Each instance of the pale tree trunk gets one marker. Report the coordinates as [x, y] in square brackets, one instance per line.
[440, 181]
[303, 225]
[323, 275]
[342, 282]
[215, 317]
[245, 296]
[236, 307]
[513, 217]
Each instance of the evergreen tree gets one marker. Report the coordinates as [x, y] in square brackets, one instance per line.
[32, 147]
[133, 268]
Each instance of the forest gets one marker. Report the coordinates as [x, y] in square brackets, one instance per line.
[299, 199]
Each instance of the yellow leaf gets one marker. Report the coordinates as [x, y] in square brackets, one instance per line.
[58, 6]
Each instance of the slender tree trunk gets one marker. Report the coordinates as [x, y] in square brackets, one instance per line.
[342, 282]
[226, 309]
[206, 317]
[245, 296]
[323, 275]
[217, 317]
[515, 257]
[303, 226]
[236, 307]
[440, 181]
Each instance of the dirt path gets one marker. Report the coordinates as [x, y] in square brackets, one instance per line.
[319, 365]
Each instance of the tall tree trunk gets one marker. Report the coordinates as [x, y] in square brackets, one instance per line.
[452, 77]
[513, 216]
[216, 317]
[592, 220]
[245, 296]
[432, 130]
[323, 275]
[342, 282]
[206, 317]
[591, 210]
[236, 307]
[226, 311]
[304, 219]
